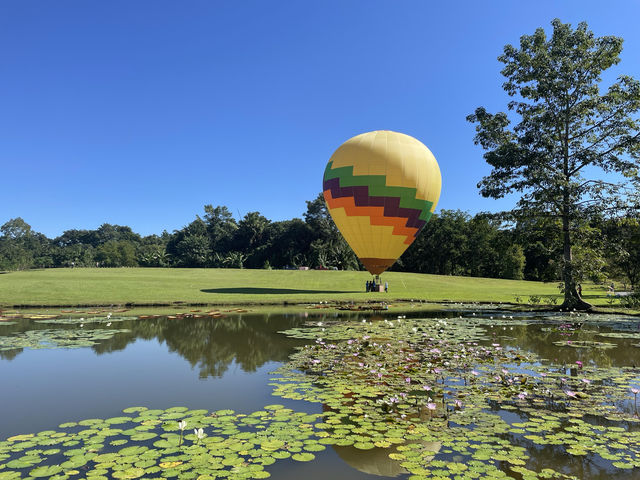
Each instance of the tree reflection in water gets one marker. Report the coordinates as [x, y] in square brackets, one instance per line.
[209, 344]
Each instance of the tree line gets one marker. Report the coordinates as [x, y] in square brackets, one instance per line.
[452, 243]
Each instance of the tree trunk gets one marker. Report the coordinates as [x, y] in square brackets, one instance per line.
[572, 300]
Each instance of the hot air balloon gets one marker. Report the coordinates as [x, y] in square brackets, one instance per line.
[381, 188]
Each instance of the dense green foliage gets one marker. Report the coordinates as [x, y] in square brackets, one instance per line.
[561, 138]
[452, 243]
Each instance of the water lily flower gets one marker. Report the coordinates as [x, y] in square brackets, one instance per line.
[181, 425]
[475, 373]
[431, 406]
[569, 393]
[579, 363]
[635, 391]
[408, 379]
[457, 403]
[586, 380]
[199, 433]
[522, 395]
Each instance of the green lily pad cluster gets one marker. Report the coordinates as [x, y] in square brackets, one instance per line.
[584, 344]
[84, 321]
[57, 338]
[437, 399]
[418, 384]
[172, 443]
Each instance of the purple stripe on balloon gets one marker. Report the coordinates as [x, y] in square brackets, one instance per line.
[362, 198]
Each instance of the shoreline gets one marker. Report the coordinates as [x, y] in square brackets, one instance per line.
[404, 306]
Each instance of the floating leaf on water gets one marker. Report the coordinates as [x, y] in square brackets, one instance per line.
[303, 457]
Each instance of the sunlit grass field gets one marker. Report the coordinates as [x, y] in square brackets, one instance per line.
[149, 286]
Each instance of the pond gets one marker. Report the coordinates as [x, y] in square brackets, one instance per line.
[464, 393]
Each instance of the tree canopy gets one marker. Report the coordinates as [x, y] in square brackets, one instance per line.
[568, 149]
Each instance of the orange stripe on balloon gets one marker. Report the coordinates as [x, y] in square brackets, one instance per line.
[375, 214]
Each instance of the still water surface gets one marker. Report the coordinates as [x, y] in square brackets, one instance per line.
[219, 363]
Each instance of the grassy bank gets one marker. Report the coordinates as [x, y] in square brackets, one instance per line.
[149, 286]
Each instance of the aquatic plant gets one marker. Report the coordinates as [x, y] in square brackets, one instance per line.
[438, 398]
[485, 403]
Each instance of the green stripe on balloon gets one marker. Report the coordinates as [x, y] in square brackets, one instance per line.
[378, 188]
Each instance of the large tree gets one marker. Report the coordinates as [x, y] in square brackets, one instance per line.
[572, 146]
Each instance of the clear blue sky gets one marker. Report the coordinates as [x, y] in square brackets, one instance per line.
[140, 112]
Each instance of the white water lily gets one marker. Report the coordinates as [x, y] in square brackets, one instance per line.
[182, 425]
[199, 433]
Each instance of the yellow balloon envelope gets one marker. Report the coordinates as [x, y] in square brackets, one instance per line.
[381, 188]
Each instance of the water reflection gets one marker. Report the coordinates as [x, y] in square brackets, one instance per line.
[541, 338]
[213, 347]
[251, 340]
[208, 344]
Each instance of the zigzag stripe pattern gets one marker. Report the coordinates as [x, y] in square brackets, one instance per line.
[376, 185]
[368, 195]
[375, 214]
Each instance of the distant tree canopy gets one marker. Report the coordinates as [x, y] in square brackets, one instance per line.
[452, 243]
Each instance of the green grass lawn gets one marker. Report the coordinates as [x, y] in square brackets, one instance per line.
[147, 286]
